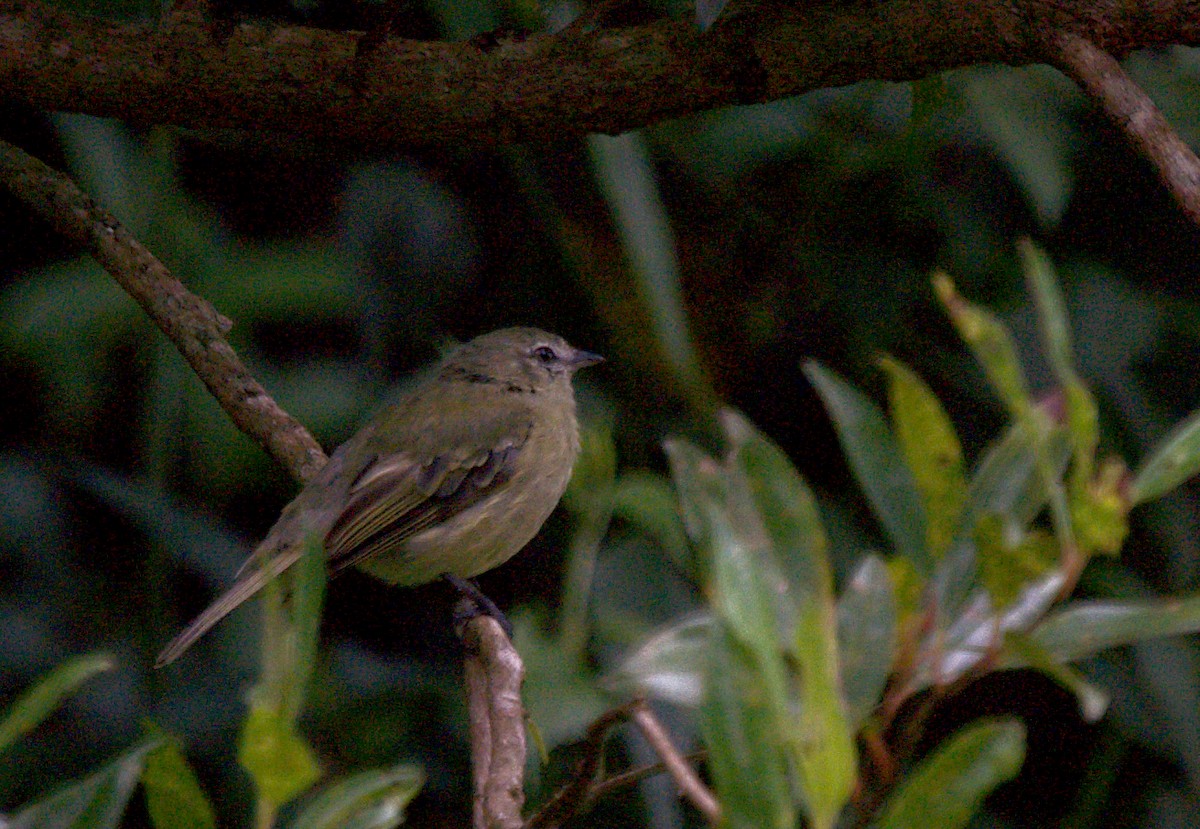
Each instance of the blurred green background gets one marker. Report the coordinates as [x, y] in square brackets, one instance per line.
[706, 258]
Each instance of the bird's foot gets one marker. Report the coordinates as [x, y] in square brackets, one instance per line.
[474, 602]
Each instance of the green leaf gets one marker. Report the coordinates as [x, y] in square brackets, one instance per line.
[1082, 629]
[1173, 461]
[866, 615]
[1027, 118]
[992, 344]
[1023, 651]
[647, 501]
[744, 740]
[276, 756]
[96, 802]
[1006, 568]
[374, 799]
[669, 665]
[173, 794]
[932, 451]
[40, 700]
[877, 463]
[309, 576]
[626, 179]
[946, 789]
[824, 749]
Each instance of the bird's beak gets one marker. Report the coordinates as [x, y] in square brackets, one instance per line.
[580, 359]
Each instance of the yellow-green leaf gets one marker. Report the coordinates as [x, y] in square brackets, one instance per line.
[932, 451]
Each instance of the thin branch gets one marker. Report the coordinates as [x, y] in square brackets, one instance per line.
[494, 673]
[573, 798]
[191, 71]
[1135, 115]
[190, 322]
[690, 785]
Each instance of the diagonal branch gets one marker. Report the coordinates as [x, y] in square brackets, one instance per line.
[190, 322]
[194, 72]
[1134, 114]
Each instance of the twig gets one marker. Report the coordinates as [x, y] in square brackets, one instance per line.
[1135, 114]
[572, 798]
[494, 674]
[690, 785]
[190, 322]
[636, 775]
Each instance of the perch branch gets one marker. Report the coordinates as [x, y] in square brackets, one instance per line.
[193, 71]
[494, 674]
[190, 322]
[1131, 109]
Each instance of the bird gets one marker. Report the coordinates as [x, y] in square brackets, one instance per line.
[450, 481]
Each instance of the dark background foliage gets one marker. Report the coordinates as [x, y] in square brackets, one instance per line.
[806, 228]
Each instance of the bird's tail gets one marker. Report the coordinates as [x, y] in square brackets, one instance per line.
[250, 581]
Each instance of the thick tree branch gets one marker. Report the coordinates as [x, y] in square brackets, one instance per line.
[1134, 114]
[198, 73]
[190, 322]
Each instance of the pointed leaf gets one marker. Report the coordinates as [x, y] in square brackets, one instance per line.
[39, 701]
[96, 802]
[945, 790]
[991, 343]
[647, 501]
[373, 799]
[877, 463]
[276, 756]
[174, 798]
[1023, 651]
[788, 511]
[866, 616]
[932, 451]
[1082, 629]
[1173, 461]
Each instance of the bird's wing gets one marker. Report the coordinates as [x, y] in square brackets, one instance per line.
[400, 493]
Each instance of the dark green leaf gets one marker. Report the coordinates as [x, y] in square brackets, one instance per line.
[1082, 629]
[96, 802]
[39, 701]
[945, 790]
[878, 464]
[866, 615]
[1173, 461]
[647, 501]
[741, 731]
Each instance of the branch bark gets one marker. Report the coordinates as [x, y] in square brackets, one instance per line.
[193, 72]
[494, 674]
[1135, 114]
[189, 321]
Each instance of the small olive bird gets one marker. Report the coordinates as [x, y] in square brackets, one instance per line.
[452, 480]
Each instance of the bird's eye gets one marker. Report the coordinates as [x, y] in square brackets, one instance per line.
[545, 354]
